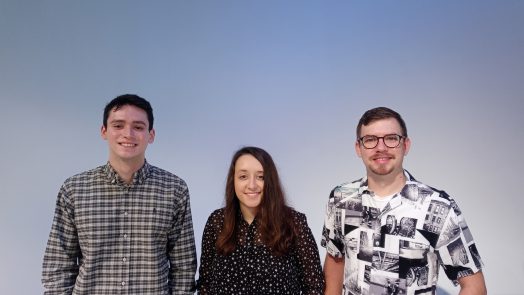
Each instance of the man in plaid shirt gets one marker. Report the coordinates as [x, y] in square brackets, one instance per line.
[124, 227]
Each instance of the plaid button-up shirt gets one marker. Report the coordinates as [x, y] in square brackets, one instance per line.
[109, 237]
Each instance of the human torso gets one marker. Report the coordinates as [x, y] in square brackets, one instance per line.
[123, 230]
[391, 248]
[251, 268]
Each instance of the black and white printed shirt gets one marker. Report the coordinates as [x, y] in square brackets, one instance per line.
[252, 269]
[398, 250]
[109, 237]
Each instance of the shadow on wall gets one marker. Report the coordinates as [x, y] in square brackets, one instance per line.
[442, 292]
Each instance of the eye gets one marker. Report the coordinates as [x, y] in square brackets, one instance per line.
[391, 137]
[139, 128]
[369, 139]
[260, 177]
[117, 126]
[242, 176]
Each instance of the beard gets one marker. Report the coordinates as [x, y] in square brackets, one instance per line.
[382, 170]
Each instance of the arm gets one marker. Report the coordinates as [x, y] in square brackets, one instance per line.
[60, 267]
[181, 248]
[473, 284]
[334, 274]
[467, 269]
[308, 259]
[208, 254]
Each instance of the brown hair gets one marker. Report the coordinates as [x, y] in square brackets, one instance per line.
[274, 218]
[381, 113]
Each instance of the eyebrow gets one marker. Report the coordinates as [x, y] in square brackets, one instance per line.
[123, 121]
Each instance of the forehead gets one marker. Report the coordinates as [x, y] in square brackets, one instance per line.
[128, 113]
[381, 127]
[248, 162]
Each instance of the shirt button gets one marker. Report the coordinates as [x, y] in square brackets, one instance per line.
[125, 236]
[125, 213]
[124, 259]
[377, 243]
[123, 283]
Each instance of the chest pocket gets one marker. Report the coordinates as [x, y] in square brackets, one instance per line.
[154, 221]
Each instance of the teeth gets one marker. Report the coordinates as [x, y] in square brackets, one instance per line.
[127, 144]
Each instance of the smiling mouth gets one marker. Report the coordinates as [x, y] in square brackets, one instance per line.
[253, 194]
[382, 159]
[128, 144]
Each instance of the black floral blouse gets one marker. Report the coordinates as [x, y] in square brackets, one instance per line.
[251, 269]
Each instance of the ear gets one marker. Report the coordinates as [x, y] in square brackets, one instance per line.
[407, 145]
[103, 132]
[357, 149]
[151, 136]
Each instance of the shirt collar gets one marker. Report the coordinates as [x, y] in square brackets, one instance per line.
[397, 199]
[138, 178]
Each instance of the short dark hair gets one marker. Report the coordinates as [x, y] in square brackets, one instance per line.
[381, 113]
[129, 99]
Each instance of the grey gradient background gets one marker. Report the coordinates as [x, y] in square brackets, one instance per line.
[292, 77]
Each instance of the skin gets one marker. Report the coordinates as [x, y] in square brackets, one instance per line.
[249, 185]
[473, 284]
[127, 135]
[386, 177]
[333, 274]
[384, 165]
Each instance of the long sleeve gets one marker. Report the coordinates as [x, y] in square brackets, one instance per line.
[312, 278]
[181, 247]
[60, 264]
[209, 253]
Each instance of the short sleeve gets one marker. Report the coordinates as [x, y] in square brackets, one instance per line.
[456, 249]
[332, 238]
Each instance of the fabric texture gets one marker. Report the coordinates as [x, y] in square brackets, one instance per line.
[109, 237]
[252, 269]
[400, 248]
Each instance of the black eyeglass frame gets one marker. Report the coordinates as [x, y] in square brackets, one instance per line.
[400, 137]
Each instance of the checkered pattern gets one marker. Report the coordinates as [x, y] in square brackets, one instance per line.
[108, 237]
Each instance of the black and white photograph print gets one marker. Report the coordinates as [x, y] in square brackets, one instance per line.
[365, 252]
[386, 285]
[370, 217]
[385, 261]
[451, 231]
[465, 229]
[458, 253]
[475, 255]
[435, 217]
[407, 227]
[416, 194]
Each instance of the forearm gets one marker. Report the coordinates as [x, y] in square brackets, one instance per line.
[309, 261]
[473, 284]
[333, 274]
[182, 252]
[60, 268]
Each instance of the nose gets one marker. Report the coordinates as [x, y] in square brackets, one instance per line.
[381, 145]
[128, 131]
[252, 184]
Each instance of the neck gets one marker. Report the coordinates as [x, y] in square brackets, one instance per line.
[126, 169]
[385, 185]
[248, 214]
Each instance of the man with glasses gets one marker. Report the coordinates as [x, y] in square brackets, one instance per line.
[403, 229]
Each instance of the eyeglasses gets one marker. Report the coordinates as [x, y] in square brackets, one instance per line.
[390, 140]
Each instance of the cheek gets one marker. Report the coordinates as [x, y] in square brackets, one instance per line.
[238, 187]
